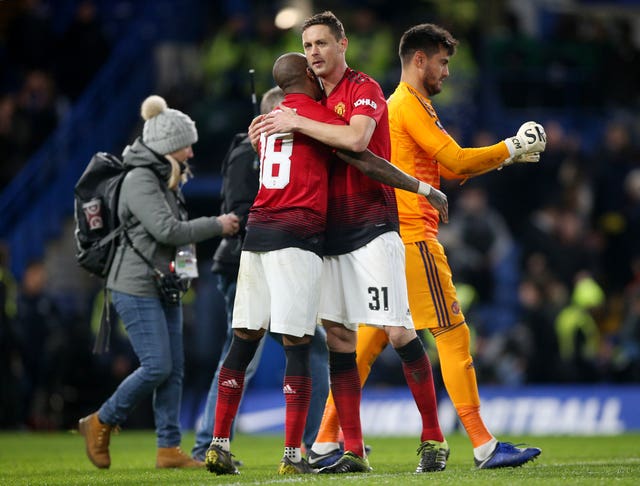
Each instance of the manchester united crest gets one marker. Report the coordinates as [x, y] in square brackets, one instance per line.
[339, 109]
[455, 307]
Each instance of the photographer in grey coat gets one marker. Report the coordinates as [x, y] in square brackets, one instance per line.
[153, 264]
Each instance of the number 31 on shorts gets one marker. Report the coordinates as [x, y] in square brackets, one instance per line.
[379, 298]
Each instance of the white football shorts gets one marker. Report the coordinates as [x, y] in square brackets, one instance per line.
[281, 287]
[367, 285]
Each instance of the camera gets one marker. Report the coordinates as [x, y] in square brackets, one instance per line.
[171, 287]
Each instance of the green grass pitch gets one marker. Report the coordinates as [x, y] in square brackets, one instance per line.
[59, 459]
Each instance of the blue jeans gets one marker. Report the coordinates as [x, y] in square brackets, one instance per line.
[155, 332]
[319, 361]
[319, 357]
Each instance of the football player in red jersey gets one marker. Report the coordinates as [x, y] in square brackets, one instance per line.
[280, 268]
[363, 275]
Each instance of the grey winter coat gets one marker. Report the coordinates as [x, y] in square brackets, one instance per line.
[157, 220]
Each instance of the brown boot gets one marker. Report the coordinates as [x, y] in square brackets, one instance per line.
[174, 457]
[96, 436]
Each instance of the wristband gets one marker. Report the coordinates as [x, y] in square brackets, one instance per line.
[511, 146]
[424, 188]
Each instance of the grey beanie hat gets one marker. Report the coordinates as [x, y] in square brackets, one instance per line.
[166, 130]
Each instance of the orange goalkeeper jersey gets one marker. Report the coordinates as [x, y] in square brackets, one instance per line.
[420, 146]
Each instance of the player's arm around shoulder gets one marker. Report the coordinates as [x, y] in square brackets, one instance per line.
[385, 172]
[354, 137]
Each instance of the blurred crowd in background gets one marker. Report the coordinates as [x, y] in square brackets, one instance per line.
[546, 256]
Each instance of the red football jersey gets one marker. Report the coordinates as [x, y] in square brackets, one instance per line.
[360, 208]
[290, 209]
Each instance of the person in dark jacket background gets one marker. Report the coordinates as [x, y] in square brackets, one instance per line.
[151, 206]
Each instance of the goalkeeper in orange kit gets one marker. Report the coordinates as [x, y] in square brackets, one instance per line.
[421, 147]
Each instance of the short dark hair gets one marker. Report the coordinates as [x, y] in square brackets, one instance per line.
[330, 20]
[428, 38]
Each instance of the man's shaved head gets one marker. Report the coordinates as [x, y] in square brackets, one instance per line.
[290, 71]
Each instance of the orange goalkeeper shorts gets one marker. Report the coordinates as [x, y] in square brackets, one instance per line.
[432, 296]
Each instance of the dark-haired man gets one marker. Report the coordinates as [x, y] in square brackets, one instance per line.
[422, 148]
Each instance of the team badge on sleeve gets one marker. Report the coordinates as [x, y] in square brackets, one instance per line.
[455, 307]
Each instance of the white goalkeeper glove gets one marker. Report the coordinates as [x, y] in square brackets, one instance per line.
[525, 158]
[529, 139]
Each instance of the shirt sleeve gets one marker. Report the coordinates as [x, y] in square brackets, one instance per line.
[369, 101]
[469, 162]
[426, 129]
[147, 202]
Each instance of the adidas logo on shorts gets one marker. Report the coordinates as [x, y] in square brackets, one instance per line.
[230, 383]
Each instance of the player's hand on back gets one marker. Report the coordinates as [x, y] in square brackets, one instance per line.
[438, 200]
[281, 120]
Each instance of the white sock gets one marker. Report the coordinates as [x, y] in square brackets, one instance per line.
[293, 453]
[324, 447]
[222, 442]
[483, 451]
